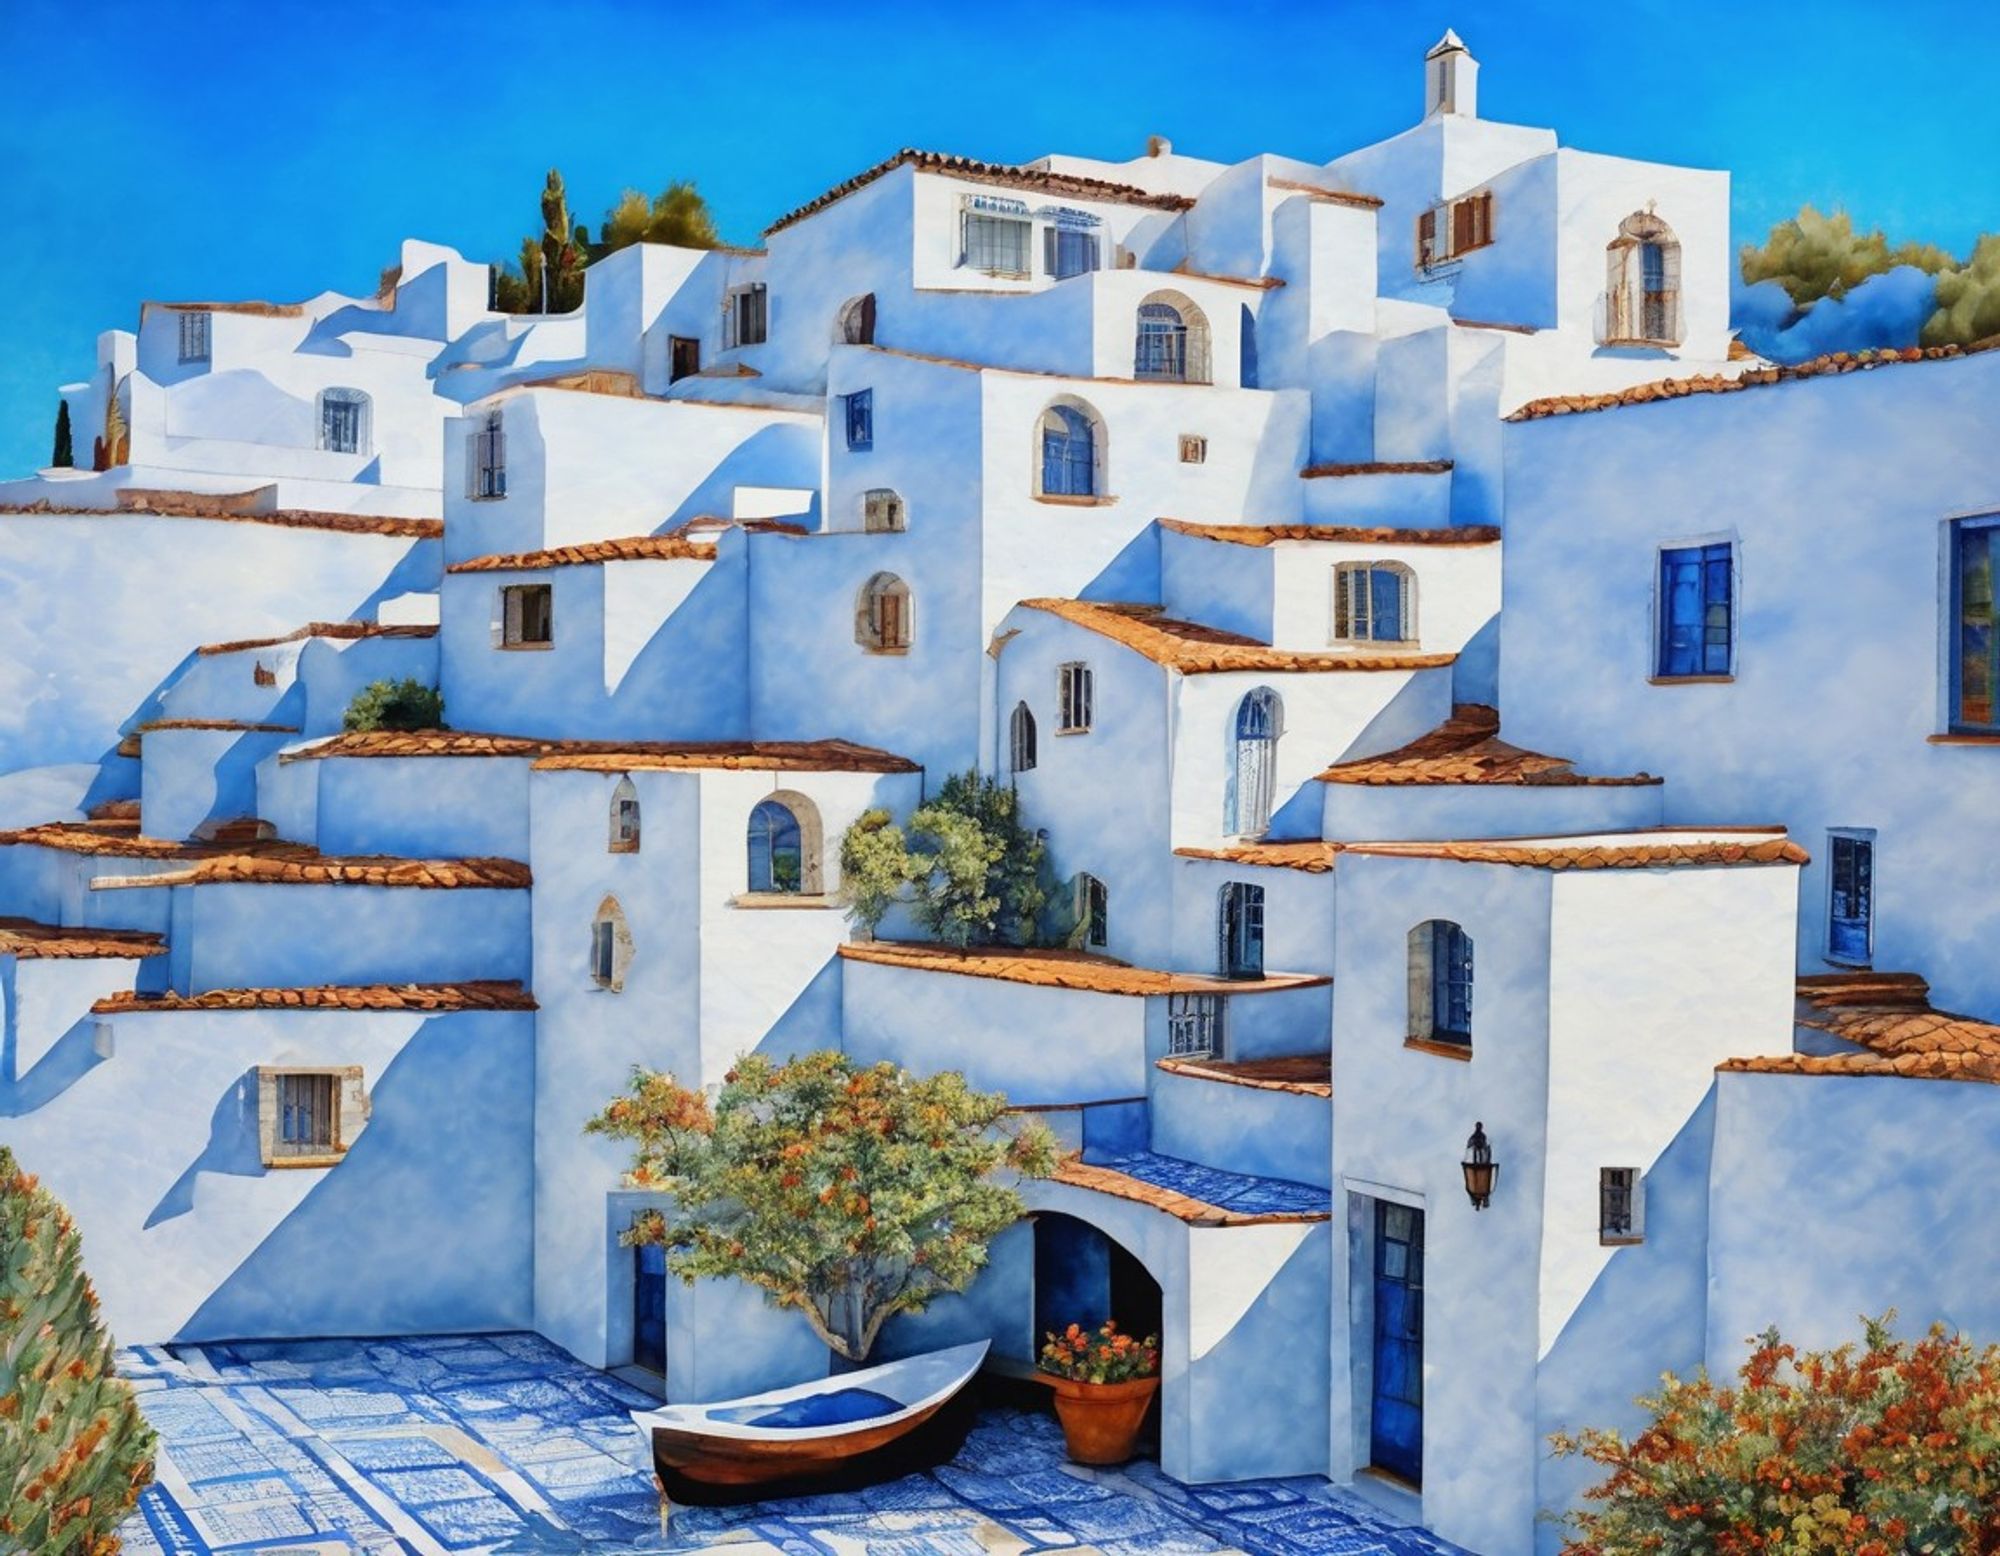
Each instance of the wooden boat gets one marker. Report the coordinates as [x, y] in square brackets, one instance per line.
[845, 1426]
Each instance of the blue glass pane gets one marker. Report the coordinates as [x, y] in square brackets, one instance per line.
[775, 854]
[1385, 591]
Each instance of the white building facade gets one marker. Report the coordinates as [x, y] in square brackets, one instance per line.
[1221, 510]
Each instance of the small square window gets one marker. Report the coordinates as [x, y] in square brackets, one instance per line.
[194, 337]
[1194, 449]
[1195, 1025]
[527, 616]
[1621, 1208]
[860, 418]
[308, 1117]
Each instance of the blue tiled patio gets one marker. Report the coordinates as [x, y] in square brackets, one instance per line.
[504, 1444]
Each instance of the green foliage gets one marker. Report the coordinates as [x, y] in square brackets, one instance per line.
[65, 451]
[1814, 256]
[677, 215]
[405, 704]
[846, 1193]
[970, 871]
[1888, 1448]
[1968, 299]
[74, 1451]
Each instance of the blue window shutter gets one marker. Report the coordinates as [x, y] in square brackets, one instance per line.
[1680, 612]
[1717, 608]
[1386, 599]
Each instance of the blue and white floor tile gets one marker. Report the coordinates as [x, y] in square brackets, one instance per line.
[502, 1445]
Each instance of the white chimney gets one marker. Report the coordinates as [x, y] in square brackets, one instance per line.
[1451, 78]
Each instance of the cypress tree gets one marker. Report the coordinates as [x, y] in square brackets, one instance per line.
[65, 454]
[74, 1451]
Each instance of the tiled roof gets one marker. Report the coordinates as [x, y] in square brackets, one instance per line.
[1378, 467]
[1038, 179]
[344, 630]
[1200, 1196]
[1309, 1075]
[115, 810]
[1194, 649]
[1349, 534]
[635, 548]
[1681, 388]
[1890, 1017]
[191, 505]
[1311, 855]
[808, 756]
[239, 725]
[120, 839]
[1617, 851]
[441, 998]
[803, 756]
[1332, 196]
[1060, 969]
[310, 869]
[25, 938]
[1467, 748]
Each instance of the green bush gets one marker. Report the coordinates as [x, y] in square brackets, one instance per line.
[74, 1451]
[1814, 256]
[1968, 299]
[405, 704]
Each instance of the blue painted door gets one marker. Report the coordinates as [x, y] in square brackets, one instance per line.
[649, 1309]
[1396, 1432]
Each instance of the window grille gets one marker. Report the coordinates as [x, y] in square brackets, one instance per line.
[1021, 740]
[343, 421]
[996, 235]
[860, 419]
[487, 476]
[1073, 697]
[1195, 1026]
[1240, 931]
[1070, 251]
[1259, 723]
[1696, 610]
[194, 337]
[308, 1115]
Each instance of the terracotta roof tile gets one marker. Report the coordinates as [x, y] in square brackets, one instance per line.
[1061, 969]
[1347, 534]
[1309, 1075]
[1890, 1018]
[635, 548]
[190, 505]
[27, 939]
[1311, 855]
[115, 810]
[238, 725]
[120, 839]
[609, 756]
[341, 630]
[310, 869]
[441, 998]
[1039, 179]
[1378, 467]
[1107, 1180]
[1318, 192]
[1681, 388]
[1619, 852]
[1467, 748]
[1193, 649]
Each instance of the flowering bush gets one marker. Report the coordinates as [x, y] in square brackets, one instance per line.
[849, 1193]
[1102, 1356]
[1883, 1450]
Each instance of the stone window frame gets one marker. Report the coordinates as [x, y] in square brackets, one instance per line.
[624, 819]
[610, 947]
[510, 621]
[354, 1105]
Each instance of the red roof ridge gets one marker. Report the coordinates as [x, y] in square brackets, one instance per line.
[1312, 855]
[172, 506]
[631, 548]
[440, 998]
[1615, 851]
[313, 869]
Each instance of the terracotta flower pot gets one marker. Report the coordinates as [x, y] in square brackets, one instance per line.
[1100, 1421]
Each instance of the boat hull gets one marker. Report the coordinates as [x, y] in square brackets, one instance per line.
[744, 1462]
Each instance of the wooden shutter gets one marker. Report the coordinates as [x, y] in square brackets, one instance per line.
[1427, 224]
[1464, 213]
[510, 630]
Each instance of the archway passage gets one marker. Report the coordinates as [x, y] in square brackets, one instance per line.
[1083, 1276]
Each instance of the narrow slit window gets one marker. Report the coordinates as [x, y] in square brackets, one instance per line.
[1620, 1207]
[1073, 696]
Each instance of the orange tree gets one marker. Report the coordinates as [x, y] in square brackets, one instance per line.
[1881, 1449]
[848, 1193]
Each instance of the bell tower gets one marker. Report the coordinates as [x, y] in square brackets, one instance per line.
[1451, 78]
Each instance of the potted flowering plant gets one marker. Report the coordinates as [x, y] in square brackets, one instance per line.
[1104, 1380]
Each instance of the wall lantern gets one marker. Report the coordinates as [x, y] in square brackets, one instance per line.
[1480, 1168]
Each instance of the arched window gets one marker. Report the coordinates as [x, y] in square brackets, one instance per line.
[1374, 602]
[882, 511]
[610, 946]
[784, 846]
[624, 818]
[1440, 984]
[1021, 740]
[1260, 720]
[882, 615]
[1173, 340]
[343, 421]
[1072, 448]
[1093, 912]
[1240, 930]
[856, 324]
[1642, 285]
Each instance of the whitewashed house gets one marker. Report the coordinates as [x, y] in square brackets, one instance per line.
[1222, 510]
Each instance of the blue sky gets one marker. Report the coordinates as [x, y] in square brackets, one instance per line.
[224, 149]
